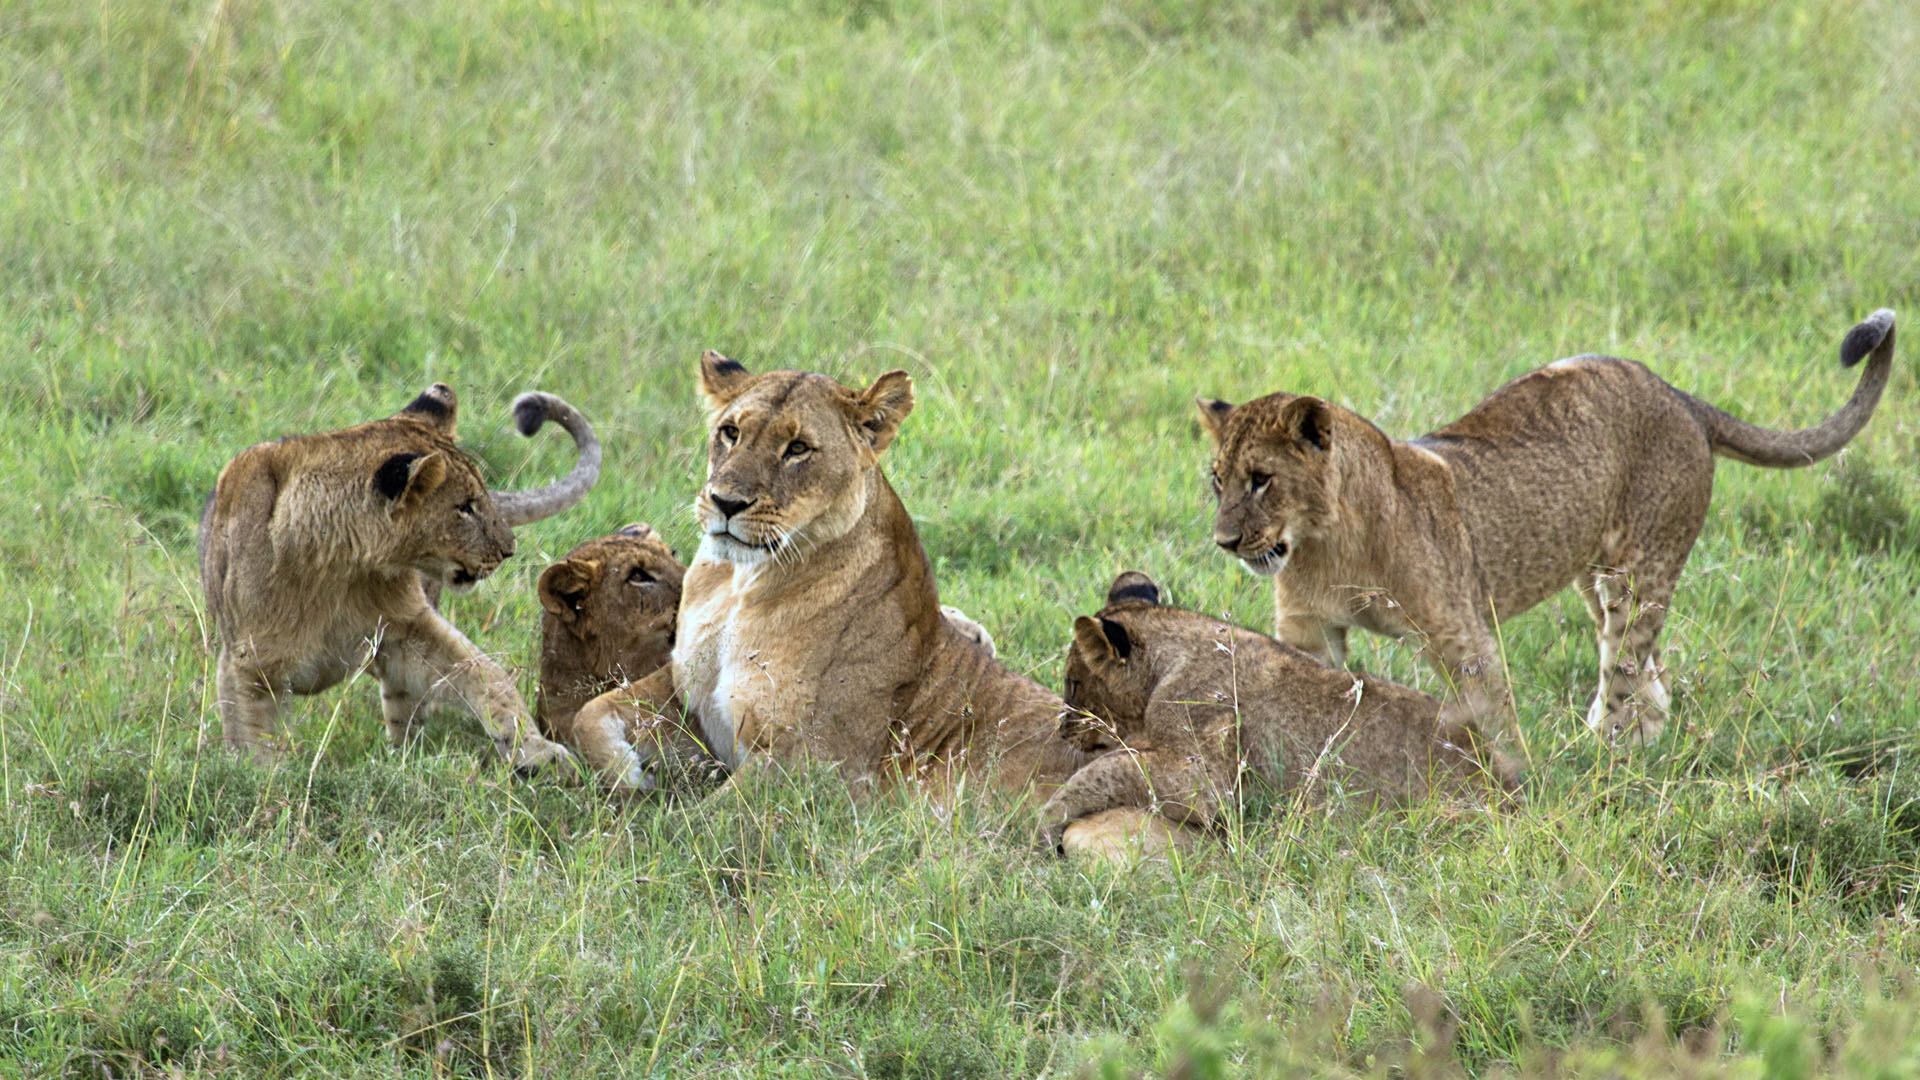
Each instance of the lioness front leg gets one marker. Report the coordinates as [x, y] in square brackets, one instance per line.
[426, 657]
[1171, 785]
[627, 734]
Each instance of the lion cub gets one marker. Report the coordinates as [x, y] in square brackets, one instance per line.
[1590, 471]
[607, 620]
[1181, 706]
[314, 550]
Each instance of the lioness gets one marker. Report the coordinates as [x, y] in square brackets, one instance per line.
[314, 550]
[609, 612]
[809, 624]
[1181, 707]
[1590, 470]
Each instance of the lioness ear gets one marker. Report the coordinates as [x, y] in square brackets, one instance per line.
[405, 479]
[1308, 420]
[639, 530]
[1133, 585]
[880, 408]
[564, 587]
[435, 407]
[722, 380]
[1213, 416]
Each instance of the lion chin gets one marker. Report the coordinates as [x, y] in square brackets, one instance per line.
[726, 547]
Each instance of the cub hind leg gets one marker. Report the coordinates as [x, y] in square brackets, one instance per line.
[1630, 606]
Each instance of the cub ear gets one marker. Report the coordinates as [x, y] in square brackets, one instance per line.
[564, 587]
[1308, 421]
[722, 380]
[1213, 416]
[435, 407]
[1133, 585]
[879, 409]
[639, 530]
[1101, 640]
[404, 479]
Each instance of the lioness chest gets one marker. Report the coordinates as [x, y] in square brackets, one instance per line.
[760, 665]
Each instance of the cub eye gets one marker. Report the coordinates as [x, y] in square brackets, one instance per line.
[639, 576]
[466, 508]
[1215, 477]
[729, 434]
[1259, 480]
[795, 449]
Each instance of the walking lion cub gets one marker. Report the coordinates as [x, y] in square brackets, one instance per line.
[1182, 708]
[323, 553]
[1591, 471]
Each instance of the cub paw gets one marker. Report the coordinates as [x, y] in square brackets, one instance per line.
[535, 753]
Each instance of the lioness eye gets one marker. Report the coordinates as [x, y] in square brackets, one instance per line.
[797, 448]
[1259, 480]
[1215, 477]
[729, 432]
[638, 576]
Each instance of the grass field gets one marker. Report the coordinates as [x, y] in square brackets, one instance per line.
[225, 220]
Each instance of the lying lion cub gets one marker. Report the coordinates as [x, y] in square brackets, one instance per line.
[1590, 471]
[1182, 706]
[610, 609]
[810, 626]
[314, 550]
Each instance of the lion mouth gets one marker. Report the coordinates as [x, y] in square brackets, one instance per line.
[1271, 561]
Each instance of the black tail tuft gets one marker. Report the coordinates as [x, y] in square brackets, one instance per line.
[1866, 337]
[529, 412]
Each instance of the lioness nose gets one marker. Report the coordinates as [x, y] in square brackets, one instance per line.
[1231, 543]
[728, 507]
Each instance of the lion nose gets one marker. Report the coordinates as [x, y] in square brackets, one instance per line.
[1230, 543]
[728, 507]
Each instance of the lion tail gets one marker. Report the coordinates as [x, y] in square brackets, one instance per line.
[1871, 339]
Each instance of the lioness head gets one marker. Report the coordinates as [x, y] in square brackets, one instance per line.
[610, 609]
[791, 457]
[444, 521]
[1273, 475]
[1108, 680]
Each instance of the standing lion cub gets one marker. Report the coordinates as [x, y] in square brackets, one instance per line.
[1590, 471]
[318, 552]
[1183, 709]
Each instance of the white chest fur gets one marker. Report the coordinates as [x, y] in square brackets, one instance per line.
[707, 653]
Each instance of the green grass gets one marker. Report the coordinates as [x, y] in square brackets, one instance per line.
[227, 221]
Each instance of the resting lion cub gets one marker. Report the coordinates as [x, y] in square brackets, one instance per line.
[1181, 706]
[1590, 471]
[809, 625]
[315, 551]
[609, 610]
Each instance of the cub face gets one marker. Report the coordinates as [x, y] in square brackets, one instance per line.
[444, 521]
[1108, 677]
[1273, 477]
[613, 603]
[788, 457]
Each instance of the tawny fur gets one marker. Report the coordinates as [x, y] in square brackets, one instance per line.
[313, 552]
[608, 612]
[809, 624]
[1591, 472]
[1184, 710]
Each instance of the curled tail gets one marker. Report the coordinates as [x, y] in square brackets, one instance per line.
[1755, 445]
[530, 410]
